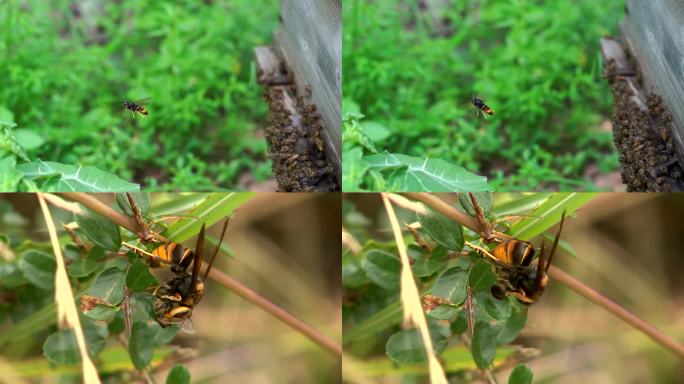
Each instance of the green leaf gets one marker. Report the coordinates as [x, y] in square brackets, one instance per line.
[426, 265]
[213, 208]
[9, 176]
[353, 276]
[451, 285]
[443, 230]
[481, 276]
[484, 199]
[353, 133]
[76, 178]
[102, 313]
[354, 170]
[141, 345]
[521, 374]
[11, 276]
[514, 324]
[28, 139]
[179, 374]
[9, 143]
[101, 231]
[109, 285]
[383, 268]
[549, 213]
[444, 312]
[142, 200]
[61, 347]
[409, 174]
[406, 346]
[484, 344]
[495, 308]
[38, 268]
[139, 277]
[375, 131]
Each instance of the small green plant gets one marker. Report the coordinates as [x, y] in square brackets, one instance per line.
[470, 328]
[367, 169]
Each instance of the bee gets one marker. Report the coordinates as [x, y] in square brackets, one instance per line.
[482, 107]
[137, 106]
[518, 275]
[177, 296]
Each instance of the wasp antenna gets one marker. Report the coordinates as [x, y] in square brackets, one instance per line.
[555, 240]
[216, 250]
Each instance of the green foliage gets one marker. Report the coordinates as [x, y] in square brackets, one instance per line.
[372, 310]
[19, 173]
[29, 315]
[366, 169]
[67, 69]
[179, 374]
[521, 374]
[537, 64]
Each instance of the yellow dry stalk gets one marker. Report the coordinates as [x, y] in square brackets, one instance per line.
[410, 297]
[67, 314]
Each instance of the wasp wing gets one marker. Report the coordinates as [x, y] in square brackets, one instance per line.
[197, 262]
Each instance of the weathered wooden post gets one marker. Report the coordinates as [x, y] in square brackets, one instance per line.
[646, 70]
[302, 77]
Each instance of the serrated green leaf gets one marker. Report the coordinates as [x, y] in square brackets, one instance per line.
[179, 374]
[109, 285]
[484, 344]
[443, 230]
[414, 174]
[451, 285]
[139, 277]
[495, 308]
[382, 268]
[141, 344]
[76, 178]
[481, 276]
[38, 268]
[101, 231]
[521, 374]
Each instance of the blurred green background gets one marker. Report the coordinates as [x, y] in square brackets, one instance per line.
[67, 66]
[411, 67]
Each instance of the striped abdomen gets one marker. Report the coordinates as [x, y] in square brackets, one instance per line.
[514, 252]
[176, 254]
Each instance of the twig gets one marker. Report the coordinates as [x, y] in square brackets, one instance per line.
[220, 277]
[563, 278]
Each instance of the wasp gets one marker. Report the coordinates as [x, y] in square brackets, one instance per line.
[137, 106]
[482, 107]
[177, 296]
[518, 275]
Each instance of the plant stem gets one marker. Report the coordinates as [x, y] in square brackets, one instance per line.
[562, 277]
[220, 277]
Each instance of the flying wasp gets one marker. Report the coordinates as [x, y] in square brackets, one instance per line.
[482, 107]
[517, 274]
[137, 107]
